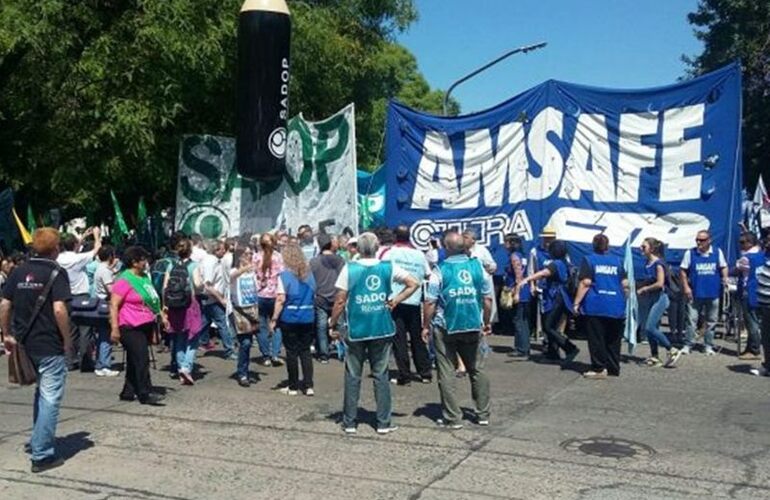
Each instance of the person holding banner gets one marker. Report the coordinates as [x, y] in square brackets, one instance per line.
[364, 290]
[134, 307]
[556, 302]
[601, 299]
[651, 286]
[458, 307]
[704, 272]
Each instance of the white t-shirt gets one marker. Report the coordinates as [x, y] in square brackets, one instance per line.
[212, 275]
[487, 262]
[198, 254]
[687, 258]
[75, 265]
[399, 275]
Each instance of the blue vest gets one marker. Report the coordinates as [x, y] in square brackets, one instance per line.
[556, 286]
[461, 285]
[756, 260]
[525, 294]
[300, 296]
[649, 273]
[605, 298]
[704, 274]
[368, 291]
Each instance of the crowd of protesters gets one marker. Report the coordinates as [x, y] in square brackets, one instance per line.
[357, 299]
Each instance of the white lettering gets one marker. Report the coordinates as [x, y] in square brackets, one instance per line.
[590, 148]
[678, 152]
[634, 156]
[545, 154]
[436, 178]
[605, 269]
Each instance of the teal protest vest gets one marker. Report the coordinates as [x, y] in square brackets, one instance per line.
[368, 291]
[461, 285]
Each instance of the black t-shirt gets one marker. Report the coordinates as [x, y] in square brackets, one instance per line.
[22, 288]
[326, 268]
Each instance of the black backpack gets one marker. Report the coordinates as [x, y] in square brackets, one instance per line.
[178, 292]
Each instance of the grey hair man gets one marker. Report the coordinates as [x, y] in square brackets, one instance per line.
[457, 307]
[364, 292]
[215, 297]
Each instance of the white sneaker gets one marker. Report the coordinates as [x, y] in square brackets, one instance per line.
[710, 351]
[287, 391]
[684, 350]
[387, 430]
[106, 372]
[349, 430]
[673, 356]
[449, 425]
[309, 392]
[312, 349]
[760, 372]
[483, 422]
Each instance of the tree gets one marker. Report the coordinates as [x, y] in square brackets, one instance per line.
[95, 95]
[740, 29]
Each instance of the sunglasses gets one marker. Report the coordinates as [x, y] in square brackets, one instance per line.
[701, 240]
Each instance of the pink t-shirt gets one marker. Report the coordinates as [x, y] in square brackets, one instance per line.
[267, 283]
[133, 311]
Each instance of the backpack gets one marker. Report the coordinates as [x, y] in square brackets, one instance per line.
[178, 293]
[158, 273]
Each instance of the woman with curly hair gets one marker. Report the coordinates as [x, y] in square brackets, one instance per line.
[294, 312]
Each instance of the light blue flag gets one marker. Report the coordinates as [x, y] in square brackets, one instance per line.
[632, 306]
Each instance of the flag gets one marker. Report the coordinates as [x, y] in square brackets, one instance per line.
[141, 213]
[760, 194]
[25, 236]
[31, 223]
[120, 229]
[632, 306]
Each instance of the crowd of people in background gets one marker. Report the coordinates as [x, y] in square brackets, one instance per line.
[358, 299]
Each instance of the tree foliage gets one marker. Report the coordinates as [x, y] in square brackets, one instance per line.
[96, 94]
[740, 29]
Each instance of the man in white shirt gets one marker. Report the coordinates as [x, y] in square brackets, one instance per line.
[75, 264]
[487, 262]
[407, 314]
[215, 298]
[198, 250]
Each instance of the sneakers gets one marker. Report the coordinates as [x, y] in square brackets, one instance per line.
[592, 375]
[276, 362]
[570, 356]
[653, 362]
[349, 430]
[387, 430]
[483, 422]
[748, 356]
[673, 356]
[287, 391]
[106, 372]
[244, 382]
[710, 351]
[684, 350]
[449, 425]
[324, 361]
[760, 372]
[309, 392]
[185, 378]
[267, 362]
[46, 464]
[426, 380]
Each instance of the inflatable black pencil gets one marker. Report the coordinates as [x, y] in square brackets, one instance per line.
[262, 106]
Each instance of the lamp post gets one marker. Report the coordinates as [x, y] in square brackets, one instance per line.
[525, 49]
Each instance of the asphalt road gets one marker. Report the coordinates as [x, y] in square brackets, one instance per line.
[700, 430]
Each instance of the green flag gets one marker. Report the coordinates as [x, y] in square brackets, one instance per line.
[120, 229]
[141, 213]
[31, 223]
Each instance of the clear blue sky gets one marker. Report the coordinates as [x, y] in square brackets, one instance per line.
[606, 43]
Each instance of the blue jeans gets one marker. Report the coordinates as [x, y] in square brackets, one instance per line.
[751, 318]
[103, 348]
[521, 327]
[378, 353]
[270, 348]
[215, 313]
[651, 309]
[51, 376]
[322, 332]
[708, 309]
[184, 351]
[244, 353]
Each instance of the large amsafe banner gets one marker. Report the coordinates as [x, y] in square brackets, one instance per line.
[319, 187]
[662, 162]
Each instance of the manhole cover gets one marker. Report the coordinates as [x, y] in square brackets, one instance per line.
[608, 447]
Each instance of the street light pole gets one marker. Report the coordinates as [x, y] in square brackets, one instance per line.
[470, 75]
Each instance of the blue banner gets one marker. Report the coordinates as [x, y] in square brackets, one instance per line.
[371, 198]
[662, 162]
